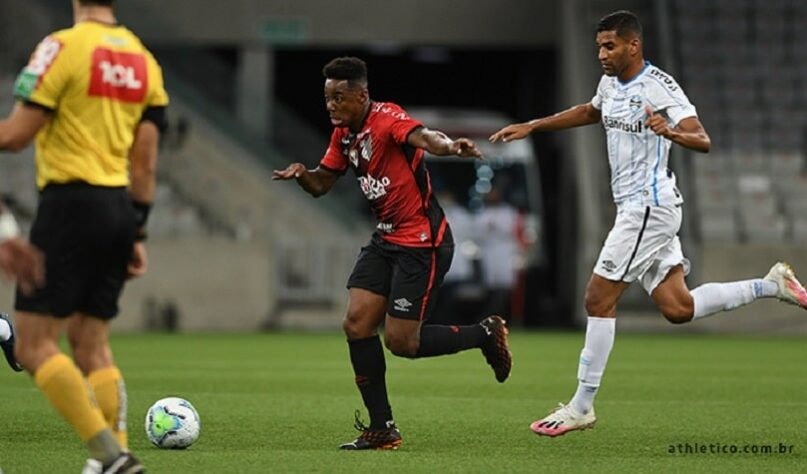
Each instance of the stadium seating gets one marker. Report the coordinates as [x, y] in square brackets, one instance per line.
[744, 67]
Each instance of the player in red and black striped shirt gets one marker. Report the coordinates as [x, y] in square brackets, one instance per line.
[397, 274]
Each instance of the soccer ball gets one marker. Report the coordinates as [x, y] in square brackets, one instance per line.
[172, 423]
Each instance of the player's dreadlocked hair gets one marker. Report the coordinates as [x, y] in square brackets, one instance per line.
[347, 68]
[623, 22]
[106, 3]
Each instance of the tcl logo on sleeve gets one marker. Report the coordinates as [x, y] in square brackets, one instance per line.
[117, 75]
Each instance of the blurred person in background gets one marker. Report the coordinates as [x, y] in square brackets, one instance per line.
[644, 111]
[397, 274]
[498, 224]
[93, 97]
[451, 305]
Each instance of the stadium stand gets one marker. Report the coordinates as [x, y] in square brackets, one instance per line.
[744, 66]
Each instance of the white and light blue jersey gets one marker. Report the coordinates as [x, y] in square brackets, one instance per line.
[638, 157]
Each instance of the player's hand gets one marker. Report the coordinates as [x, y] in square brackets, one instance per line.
[465, 148]
[657, 123]
[295, 170]
[516, 131]
[138, 262]
[23, 262]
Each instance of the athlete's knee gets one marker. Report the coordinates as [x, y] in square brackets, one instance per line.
[596, 306]
[356, 326]
[351, 327]
[400, 344]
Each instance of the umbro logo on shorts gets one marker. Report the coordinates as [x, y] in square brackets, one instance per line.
[402, 304]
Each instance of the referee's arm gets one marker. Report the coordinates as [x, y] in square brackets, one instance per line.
[143, 181]
[143, 159]
[22, 125]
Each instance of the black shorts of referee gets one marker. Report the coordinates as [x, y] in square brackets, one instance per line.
[87, 234]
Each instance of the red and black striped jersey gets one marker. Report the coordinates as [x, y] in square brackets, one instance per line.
[392, 175]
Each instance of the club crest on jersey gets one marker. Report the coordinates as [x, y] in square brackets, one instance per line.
[353, 155]
[635, 102]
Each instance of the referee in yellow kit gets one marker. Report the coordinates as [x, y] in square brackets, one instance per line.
[93, 96]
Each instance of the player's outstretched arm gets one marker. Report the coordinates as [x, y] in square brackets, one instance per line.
[21, 126]
[438, 143]
[315, 182]
[689, 133]
[583, 114]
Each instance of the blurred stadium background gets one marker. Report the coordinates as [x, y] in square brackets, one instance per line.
[230, 250]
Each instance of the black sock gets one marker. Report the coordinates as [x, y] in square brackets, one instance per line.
[367, 357]
[438, 340]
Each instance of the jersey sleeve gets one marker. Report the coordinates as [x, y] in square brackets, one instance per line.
[401, 126]
[667, 97]
[596, 101]
[47, 74]
[157, 95]
[334, 160]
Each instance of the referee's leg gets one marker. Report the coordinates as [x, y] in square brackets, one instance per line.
[62, 382]
[89, 342]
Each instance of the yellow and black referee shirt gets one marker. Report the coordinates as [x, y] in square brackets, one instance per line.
[98, 80]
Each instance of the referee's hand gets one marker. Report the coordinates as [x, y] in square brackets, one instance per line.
[138, 263]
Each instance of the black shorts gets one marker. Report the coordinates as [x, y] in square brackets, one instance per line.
[408, 277]
[87, 234]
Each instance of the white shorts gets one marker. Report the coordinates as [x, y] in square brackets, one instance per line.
[643, 245]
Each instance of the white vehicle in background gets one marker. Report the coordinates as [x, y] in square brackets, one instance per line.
[515, 163]
[511, 167]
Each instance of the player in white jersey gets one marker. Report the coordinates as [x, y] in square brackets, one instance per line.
[643, 111]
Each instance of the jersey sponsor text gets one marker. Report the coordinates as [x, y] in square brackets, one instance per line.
[622, 125]
[373, 188]
[117, 75]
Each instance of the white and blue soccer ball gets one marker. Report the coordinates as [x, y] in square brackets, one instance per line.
[172, 423]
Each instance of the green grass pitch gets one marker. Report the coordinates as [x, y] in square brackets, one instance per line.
[283, 402]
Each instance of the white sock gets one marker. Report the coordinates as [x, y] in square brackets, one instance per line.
[5, 330]
[711, 298]
[599, 341]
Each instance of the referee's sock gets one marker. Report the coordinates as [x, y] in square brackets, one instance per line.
[369, 366]
[439, 340]
[65, 387]
[110, 394]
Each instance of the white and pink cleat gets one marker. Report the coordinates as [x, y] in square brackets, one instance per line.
[790, 289]
[564, 419]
